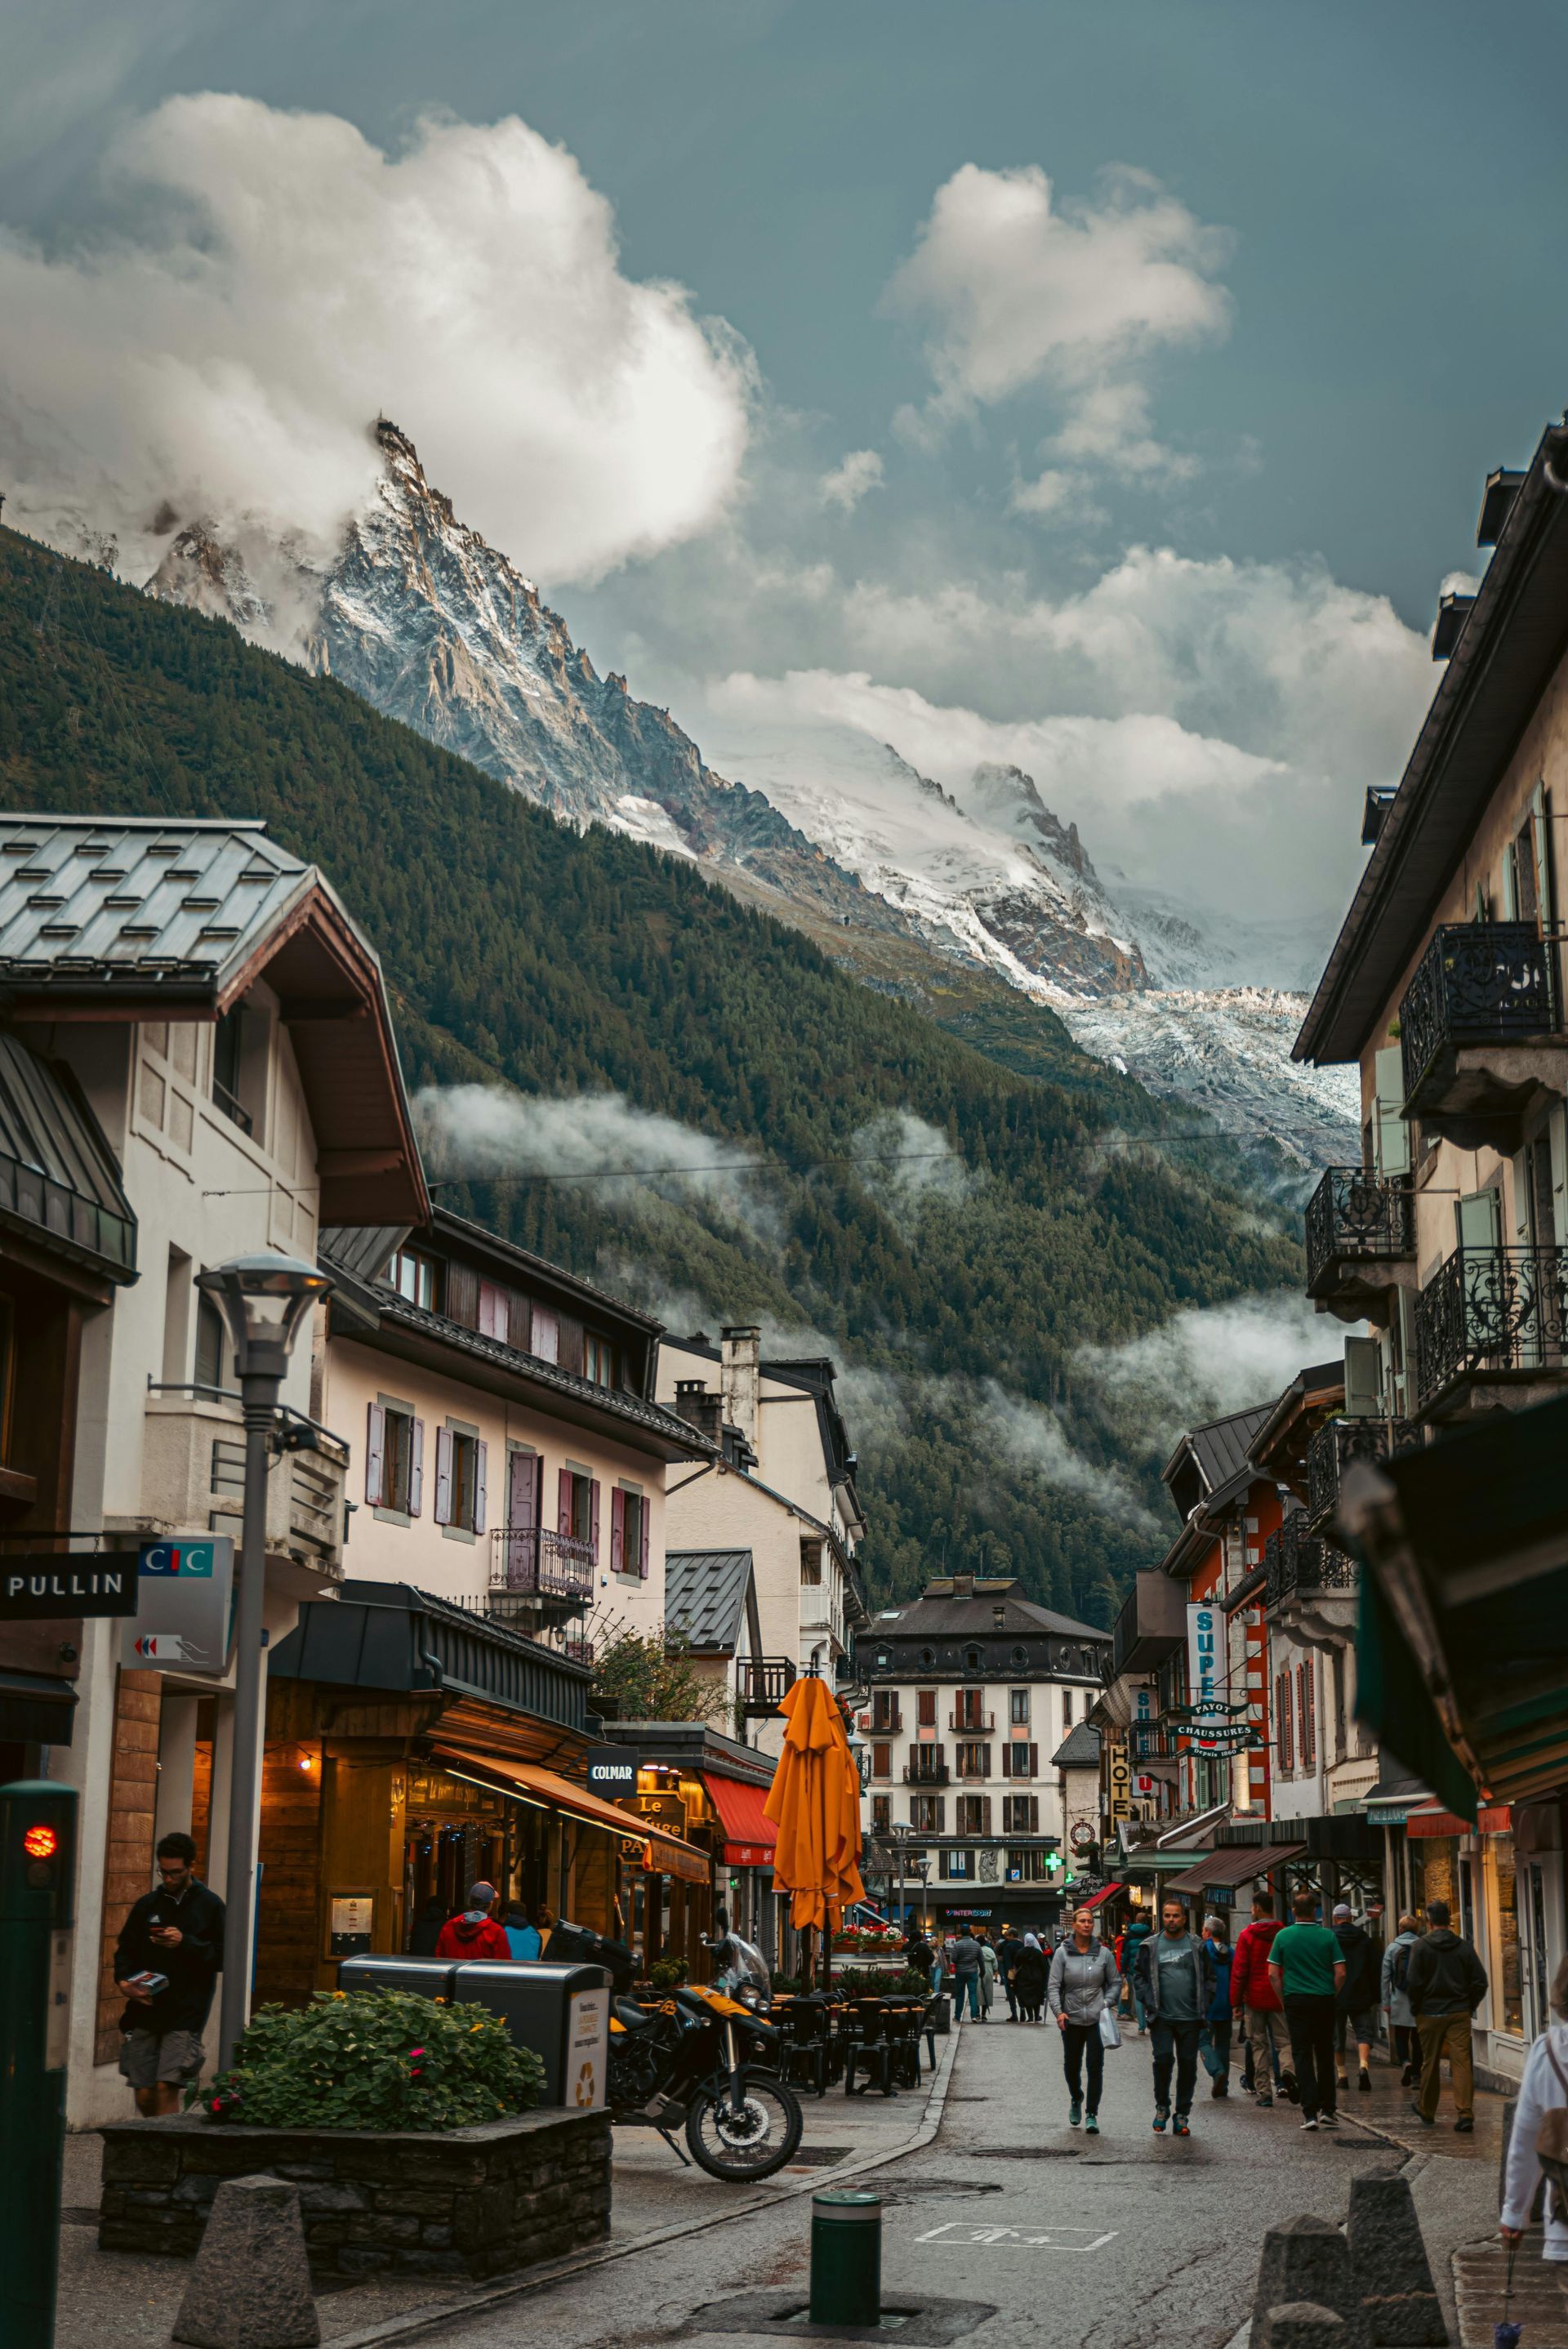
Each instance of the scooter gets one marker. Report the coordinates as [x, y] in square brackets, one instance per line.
[707, 2058]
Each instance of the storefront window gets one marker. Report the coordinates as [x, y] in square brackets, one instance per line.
[1509, 2007]
[1434, 1872]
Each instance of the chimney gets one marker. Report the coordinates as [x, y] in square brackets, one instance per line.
[964, 1586]
[740, 1359]
[699, 1408]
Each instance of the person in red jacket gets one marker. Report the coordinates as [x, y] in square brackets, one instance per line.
[1255, 2001]
[474, 1934]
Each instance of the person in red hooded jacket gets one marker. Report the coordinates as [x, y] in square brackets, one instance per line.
[474, 1934]
[1255, 2001]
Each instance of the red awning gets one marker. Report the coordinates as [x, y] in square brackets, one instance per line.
[1421, 1824]
[1105, 1893]
[749, 1838]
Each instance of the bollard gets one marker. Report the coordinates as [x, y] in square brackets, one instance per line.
[846, 2258]
[37, 1875]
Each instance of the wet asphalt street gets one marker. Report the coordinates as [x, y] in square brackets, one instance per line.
[1049, 2235]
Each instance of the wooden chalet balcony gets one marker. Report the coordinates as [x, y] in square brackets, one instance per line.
[763, 1680]
[1480, 1031]
[1492, 1317]
[1337, 1444]
[1360, 1239]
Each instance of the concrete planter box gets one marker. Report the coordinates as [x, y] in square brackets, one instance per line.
[473, 2202]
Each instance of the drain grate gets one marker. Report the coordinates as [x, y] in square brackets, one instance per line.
[817, 2156]
[903, 2187]
[1028, 2153]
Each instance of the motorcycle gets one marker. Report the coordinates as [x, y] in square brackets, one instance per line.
[707, 2058]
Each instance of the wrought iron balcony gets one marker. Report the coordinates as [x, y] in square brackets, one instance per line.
[934, 1774]
[1300, 1565]
[1357, 1226]
[1497, 1312]
[887, 1721]
[762, 1682]
[972, 1724]
[1337, 1444]
[1479, 985]
[532, 1561]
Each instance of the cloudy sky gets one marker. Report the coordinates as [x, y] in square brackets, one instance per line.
[1106, 389]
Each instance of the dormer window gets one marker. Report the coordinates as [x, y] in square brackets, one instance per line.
[598, 1360]
[970, 1660]
[413, 1276]
[228, 1059]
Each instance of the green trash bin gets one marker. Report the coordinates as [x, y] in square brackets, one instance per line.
[846, 2258]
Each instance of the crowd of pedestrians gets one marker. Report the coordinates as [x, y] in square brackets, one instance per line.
[1297, 1998]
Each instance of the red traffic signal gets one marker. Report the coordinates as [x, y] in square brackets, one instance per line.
[40, 1843]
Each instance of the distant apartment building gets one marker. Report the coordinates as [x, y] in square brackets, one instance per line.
[976, 1692]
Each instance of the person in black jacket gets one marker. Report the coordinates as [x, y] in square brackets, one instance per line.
[1446, 1982]
[177, 1932]
[1356, 2001]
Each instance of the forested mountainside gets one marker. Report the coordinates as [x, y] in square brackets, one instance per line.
[954, 1229]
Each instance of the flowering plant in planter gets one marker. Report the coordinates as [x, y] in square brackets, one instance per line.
[869, 1937]
[380, 2059]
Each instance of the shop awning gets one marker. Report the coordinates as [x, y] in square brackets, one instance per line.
[1105, 1893]
[1233, 1864]
[749, 1835]
[1461, 1648]
[666, 1853]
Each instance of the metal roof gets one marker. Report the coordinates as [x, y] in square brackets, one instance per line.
[1511, 642]
[1080, 1749]
[705, 1596]
[955, 1618]
[88, 899]
[387, 1635]
[58, 1178]
[1222, 1448]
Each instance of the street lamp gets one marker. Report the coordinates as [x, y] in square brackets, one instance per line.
[263, 1300]
[860, 1754]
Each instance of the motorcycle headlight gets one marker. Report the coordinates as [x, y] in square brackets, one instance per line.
[749, 1995]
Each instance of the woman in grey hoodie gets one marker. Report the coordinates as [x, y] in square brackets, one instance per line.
[1083, 1979]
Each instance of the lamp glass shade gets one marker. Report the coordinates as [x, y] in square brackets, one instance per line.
[263, 1300]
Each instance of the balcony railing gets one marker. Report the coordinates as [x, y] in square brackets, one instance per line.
[762, 1682]
[1337, 1444]
[1478, 983]
[1297, 1564]
[533, 1561]
[1355, 1218]
[1502, 1310]
[934, 1774]
[972, 1724]
[887, 1723]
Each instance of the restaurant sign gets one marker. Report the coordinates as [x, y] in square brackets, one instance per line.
[612, 1771]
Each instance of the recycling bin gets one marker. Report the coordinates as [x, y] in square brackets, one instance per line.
[426, 1977]
[561, 2012]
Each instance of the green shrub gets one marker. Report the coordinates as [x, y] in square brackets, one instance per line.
[378, 2059]
[868, 1981]
[668, 1974]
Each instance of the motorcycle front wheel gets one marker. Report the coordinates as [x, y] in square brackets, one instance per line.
[766, 2135]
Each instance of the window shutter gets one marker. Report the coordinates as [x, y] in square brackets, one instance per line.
[1363, 1378]
[375, 1457]
[443, 1475]
[1390, 1132]
[643, 1538]
[939, 1757]
[544, 1338]
[1033, 1802]
[985, 1762]
[617, 1532]
[517, 1321]
[481, 1457]
[983, 1803]
[940, 1801]
[593, 1518]
[463, 1295]
[563, 1511]
[571, 1354]
[1034, 1761]
[416, 1467]
[1476, 1220]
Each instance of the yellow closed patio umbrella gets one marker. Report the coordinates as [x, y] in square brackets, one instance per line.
[815, 1803]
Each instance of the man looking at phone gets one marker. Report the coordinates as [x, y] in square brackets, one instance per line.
[166, 1963]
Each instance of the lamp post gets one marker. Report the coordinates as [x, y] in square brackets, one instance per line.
[263, 1300]
[900, 1831]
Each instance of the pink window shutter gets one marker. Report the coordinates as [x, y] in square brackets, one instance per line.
[563, 1507]
[642, 1539]
[375, 1457]
[617, 1532]
[416, 1468]
[443, 1475]
[593, 1518]
[481, 1462]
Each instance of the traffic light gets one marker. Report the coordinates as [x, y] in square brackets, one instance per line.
[37, 1847]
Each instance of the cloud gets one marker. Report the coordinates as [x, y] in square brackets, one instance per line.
[1018, 294]
[630, 1157]
[276, 280]
[1203, 1364]
[861, 472]
[908, 1165]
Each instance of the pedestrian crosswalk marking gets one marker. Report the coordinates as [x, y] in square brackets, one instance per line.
[991, 2237]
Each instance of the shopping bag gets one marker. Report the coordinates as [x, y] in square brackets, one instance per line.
[1109, 2028]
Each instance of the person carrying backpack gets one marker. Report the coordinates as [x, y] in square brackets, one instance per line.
[1215, 2041]
[1396, 1989]
[1542, 2095]
[1447, 1982]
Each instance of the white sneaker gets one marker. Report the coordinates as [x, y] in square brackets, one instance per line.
[1311, 2124]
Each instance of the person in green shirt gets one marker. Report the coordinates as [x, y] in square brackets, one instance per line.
[1307, 1967]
